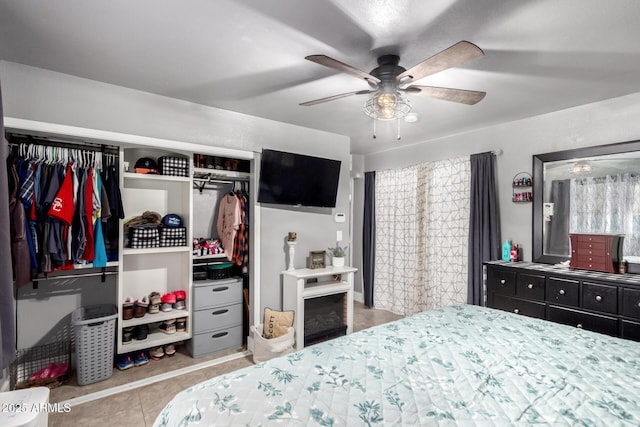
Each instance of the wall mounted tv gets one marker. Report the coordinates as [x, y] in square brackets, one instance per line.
[298, 180]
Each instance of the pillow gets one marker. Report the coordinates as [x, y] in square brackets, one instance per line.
[276, 323]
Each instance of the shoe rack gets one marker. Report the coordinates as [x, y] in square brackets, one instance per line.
[157, 269]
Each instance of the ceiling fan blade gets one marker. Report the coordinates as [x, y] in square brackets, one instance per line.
[331, 98]
[452, 56]
[469, 97]
[341, 66]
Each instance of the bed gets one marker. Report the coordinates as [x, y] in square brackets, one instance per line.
[458, 365]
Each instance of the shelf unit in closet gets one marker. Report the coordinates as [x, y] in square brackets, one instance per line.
[159, 269]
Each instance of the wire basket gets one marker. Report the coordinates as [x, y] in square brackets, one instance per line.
[41, 366]
[219, 271]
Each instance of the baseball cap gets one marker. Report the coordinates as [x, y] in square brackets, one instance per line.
[172, 221]
[146, 165]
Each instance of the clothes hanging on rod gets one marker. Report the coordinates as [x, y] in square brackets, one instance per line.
[233, 225]
[66, 192]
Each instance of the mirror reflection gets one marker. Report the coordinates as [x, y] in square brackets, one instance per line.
[599, 194]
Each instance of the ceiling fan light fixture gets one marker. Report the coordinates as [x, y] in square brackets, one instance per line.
[387, 105]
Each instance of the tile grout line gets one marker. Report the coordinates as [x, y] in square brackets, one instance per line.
[151, 380]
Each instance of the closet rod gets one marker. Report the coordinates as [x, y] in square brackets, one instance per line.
[17, 139]
[75, 276]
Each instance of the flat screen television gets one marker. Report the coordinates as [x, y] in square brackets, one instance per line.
[298, 180]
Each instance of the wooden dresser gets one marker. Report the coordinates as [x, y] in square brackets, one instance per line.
[600, 302]
[597, 252]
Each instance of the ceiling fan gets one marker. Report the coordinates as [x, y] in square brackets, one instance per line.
[389, 81]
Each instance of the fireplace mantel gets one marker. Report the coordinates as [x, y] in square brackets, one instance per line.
[306, 283]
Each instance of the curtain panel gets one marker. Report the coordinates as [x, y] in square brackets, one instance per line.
[484, 223]
[421, 229]
[369, 238]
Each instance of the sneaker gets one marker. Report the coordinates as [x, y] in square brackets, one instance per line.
[141, 358]
[169, 350]
[124, 362]
[157, 353]
[154, 302]
[140, 332]
[169, 326]
[127, 335]
[167, 302]
[180, 295]
[180, 305]
[181, 324]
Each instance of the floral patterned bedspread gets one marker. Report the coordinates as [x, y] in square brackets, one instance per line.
[459, 365]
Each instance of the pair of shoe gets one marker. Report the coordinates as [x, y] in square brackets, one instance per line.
[137, 308]
[181, 324]
[53, 370]
[173, 300]
[168, 326]
[129, 360]
[160, 352]
[139, 332]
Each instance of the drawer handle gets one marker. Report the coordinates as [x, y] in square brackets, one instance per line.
[530, 286]
[219, 334]
[598, 298]
[224, 288]
[502, 282]
[562, 292]
[579, 326]
[215, 313]
[590, 265]
[639, 304]
[590, 246]
[516, 311]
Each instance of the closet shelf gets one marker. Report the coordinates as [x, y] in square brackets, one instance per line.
[221, 174]
[155, 339]
[154, 177]
[144, 251]
[153, 318]
[208, 257]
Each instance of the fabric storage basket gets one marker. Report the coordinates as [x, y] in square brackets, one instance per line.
[144, 237]
[94, 328]
[219, 271]
[265, 349]
[175, 166]
[173, 236]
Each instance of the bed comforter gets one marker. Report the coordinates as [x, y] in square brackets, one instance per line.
[459, 365]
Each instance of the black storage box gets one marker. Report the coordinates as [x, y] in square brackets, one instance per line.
[200, 272]
[174, 166]
[219, 271]
[173, 236]
[144, 237]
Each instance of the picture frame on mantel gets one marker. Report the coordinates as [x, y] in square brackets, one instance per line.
[317, 259]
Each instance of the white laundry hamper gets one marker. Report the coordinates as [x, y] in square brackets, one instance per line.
[25, 408]
[265, 349]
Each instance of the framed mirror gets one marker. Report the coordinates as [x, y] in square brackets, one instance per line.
[586, 190]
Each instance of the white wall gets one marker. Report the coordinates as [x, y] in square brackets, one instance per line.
[605, 122]
[41, 95]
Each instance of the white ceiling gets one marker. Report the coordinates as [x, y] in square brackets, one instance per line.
[248, 55]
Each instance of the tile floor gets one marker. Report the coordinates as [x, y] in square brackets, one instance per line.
[140, 406]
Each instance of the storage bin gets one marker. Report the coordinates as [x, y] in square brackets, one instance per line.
[36, 359]
[94, 328]
[219, 271]
[144, 237]
[265, 349]
[173, 236]
[174, 166]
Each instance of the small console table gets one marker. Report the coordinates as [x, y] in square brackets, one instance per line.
[302, 284]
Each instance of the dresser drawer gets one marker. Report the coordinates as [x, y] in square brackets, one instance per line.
[592, 322]
[501, 281]
[602, 298]
[587, 248]
[630, 330]
[590, 238]
[217, 318]
[215, 293]
[211, 342]
[530, 286]
[631, 302]
[563, 291]
[514, 305]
